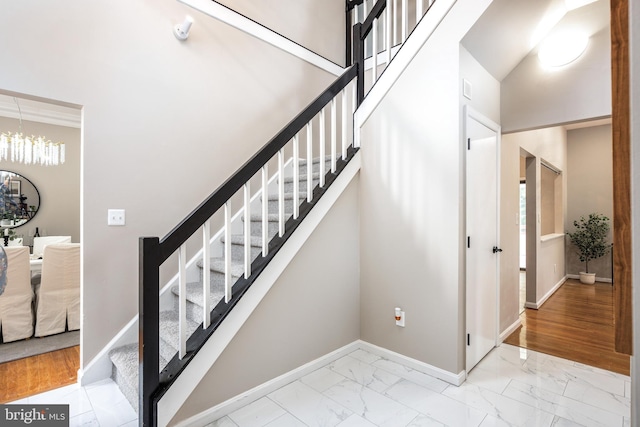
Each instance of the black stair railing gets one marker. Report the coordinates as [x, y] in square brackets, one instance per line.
[153, 251]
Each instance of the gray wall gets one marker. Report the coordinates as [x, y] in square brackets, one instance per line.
[282, 335]
[589, 188]
[59, 186]
[164, 122]
[559, 97]
[316, 25]
[547, 144]
[411, 215]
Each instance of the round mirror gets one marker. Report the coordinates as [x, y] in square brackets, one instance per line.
[19, 200]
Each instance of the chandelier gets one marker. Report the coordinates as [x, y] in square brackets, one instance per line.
[30, 150]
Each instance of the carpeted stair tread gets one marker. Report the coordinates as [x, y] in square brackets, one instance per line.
[238, 239]
[302, 178]
[287, 196]
[216, 264]
[194, 293]
[272, 217]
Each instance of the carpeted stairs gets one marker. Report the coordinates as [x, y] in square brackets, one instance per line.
[125, 358]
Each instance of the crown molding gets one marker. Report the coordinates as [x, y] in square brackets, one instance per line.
[40, 112]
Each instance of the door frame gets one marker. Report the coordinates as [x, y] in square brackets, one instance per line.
[471, 114]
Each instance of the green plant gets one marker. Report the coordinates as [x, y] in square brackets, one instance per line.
[590, 237]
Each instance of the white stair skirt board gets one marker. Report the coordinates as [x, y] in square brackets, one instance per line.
[511, 329]
[403, 58]
[213, 348]
[598, 279]
[542, 300]
[99, 368]
[243, 399]
[242, 23]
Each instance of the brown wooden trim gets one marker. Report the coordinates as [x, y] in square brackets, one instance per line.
[621, 174]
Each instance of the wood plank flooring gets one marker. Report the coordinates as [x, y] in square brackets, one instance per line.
[575, 323]
[31, 375]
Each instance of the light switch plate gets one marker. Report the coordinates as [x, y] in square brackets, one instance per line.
[115, 217]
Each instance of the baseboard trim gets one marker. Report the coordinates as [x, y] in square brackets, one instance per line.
[425, 368]
[598, 279]
[511, 329]
[250, 396]
[546, 296]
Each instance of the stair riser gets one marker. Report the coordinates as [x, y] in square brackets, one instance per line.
[288, 206]
[194, 309]
[272, 230]
[129, 392]
[302, 187]
[237, 253]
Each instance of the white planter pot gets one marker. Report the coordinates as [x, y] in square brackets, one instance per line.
[587, 278]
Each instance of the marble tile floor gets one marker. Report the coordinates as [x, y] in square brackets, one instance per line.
[100, 404]
[511, 386]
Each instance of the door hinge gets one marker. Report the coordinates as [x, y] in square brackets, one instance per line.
[468, 339]
[468, 143]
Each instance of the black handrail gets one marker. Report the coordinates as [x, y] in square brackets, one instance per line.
[154, 252]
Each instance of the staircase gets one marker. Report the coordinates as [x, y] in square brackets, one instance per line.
[125, 359]
[317, 149]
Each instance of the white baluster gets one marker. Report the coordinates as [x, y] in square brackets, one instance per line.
[405, 19]
[395, 26]
[365, 11]
[206, 274]
[247, 230]
[296, 176]
[322, 143]
[354, 106]
[334, 135]
[388, 28]
[227, 252]
[309, 162]
[345, 117]
[281, 192]
[265, 209]
[182, 304]
[374, 54]
[419, 11]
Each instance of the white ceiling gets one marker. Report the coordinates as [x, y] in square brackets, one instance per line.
[37, 111]
[503, 35]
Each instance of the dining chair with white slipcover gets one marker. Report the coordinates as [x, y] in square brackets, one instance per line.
[16, 311]
[40, 242]
[58, 296]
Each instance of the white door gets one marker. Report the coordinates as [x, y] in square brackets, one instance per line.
[482, 253]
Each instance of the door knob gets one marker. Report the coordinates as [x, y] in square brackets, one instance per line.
[496, 249]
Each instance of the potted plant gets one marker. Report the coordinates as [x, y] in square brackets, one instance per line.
[590, 239]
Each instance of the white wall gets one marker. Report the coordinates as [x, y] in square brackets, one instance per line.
[547, 144]
[164, 122]
[318, 26]
[589, 188]
[411, 215]
[59, 186]
[579, 91]
[282, 335]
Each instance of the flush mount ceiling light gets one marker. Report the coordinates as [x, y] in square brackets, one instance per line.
[562, 49]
